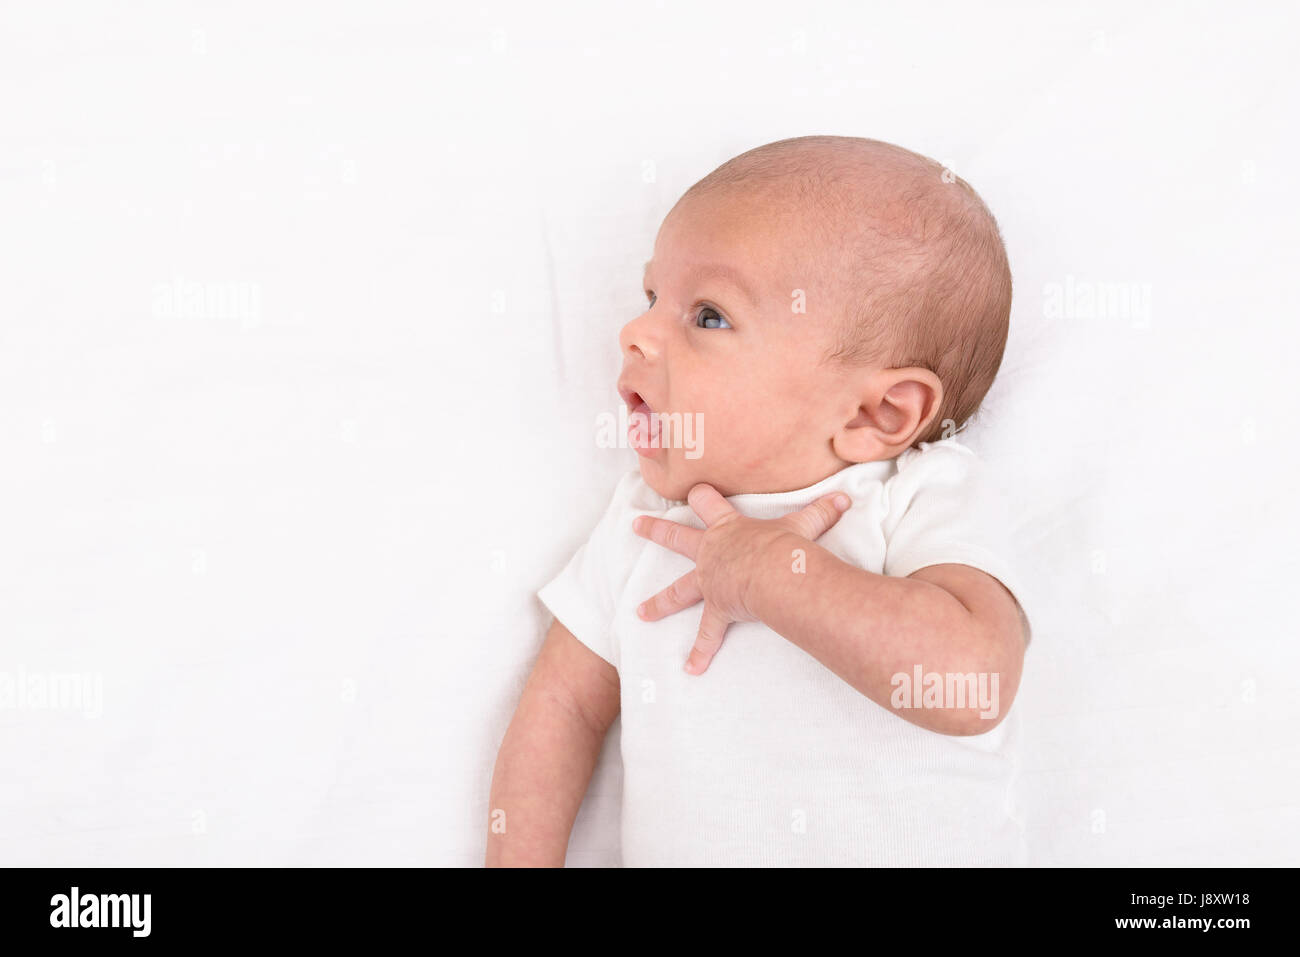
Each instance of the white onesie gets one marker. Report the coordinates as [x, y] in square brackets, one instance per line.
[769, 758]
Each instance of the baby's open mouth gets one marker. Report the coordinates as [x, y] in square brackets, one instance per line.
[633, 399]
[643, 423]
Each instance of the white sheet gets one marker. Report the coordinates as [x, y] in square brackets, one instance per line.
[291, 299]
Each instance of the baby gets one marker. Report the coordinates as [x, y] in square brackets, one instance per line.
[803, 619]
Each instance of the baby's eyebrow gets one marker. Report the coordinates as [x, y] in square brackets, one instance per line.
[730, 275]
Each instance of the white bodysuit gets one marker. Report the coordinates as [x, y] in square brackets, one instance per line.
[769, 758]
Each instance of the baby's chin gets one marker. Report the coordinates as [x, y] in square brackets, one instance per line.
[674, 478]
[668, 481]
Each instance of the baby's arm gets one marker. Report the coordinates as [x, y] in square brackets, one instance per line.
[947, 619]
[867, 628]
[549, 751]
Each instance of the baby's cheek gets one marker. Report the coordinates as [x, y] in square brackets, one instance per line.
[759, 448]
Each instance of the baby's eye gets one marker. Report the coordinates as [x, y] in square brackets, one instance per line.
[710, 318]
[651, 297]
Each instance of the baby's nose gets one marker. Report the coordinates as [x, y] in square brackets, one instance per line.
[639, 338]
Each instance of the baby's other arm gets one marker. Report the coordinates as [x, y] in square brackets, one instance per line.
[549, 751]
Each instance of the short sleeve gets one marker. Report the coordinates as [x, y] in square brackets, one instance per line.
[942, 509]
[583, 597]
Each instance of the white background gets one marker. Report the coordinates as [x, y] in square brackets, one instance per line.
[307, 312]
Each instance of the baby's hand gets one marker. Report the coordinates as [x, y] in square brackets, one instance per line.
[724, 553]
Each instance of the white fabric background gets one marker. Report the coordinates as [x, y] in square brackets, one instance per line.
[296, 535]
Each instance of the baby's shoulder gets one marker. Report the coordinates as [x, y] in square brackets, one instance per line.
[934, 472]
[930, 457]
[947, 461]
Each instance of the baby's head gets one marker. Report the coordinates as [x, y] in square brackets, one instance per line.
[812, 304]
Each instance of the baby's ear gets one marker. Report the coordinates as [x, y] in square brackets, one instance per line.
[895, 408]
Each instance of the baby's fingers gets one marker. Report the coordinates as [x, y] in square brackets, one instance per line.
[682, 593]
[815, 520]
[681, 539]
[713, 627]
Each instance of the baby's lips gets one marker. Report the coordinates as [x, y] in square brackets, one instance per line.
[643, 428]
[634, 399]
[631, 398]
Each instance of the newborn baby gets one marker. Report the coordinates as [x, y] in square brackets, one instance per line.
[801, 616]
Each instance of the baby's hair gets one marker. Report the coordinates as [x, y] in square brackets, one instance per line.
[926, 269]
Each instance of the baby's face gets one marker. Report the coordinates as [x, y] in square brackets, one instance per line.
[739, 318]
